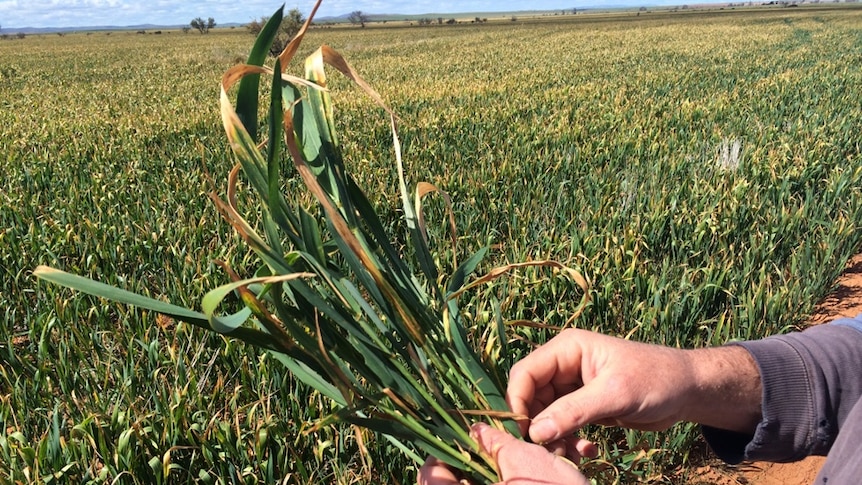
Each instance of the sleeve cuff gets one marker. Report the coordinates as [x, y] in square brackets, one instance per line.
[783, 433]
[779, 436]
[810, 381]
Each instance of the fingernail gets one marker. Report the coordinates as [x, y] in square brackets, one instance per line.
[544, 430]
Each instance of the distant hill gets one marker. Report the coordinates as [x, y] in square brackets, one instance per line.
[91, 28]
[392, 17]
[372, 17]
[99, 28]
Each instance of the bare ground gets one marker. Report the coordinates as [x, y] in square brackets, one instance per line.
[845, 301]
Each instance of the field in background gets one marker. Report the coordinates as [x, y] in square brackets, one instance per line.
[703, 170]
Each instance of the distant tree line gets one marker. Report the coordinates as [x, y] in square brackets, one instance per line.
[19, 35]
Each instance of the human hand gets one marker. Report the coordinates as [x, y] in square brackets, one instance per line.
[519, 462]
[582, 377]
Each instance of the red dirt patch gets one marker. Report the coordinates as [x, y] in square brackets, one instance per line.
[845, 301]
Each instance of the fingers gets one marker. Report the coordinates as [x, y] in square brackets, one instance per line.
[561, 385]
[522, 463]
[586, 448]
[519, 462]
[434, 472]
[536, 380]
[590, 404]
[574, 448]
[581, 377]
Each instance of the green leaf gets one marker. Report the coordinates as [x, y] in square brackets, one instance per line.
[311, 236]
[229, 323]
[459, 277]
[102, 290]
[247, 96]
[305, 374]
[417, 236]
[304, 125]
[275, 146]
[471, 366]
[213, 298]
[500, 327]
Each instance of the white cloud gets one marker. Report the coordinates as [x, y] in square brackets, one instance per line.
[82, 13]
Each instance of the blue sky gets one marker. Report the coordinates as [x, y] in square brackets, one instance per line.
[81, 13]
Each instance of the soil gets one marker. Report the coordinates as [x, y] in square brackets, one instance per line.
[845, 301]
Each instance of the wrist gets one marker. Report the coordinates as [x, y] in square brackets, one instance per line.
[725, 389]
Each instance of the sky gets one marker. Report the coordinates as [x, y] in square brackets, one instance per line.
[87, 13]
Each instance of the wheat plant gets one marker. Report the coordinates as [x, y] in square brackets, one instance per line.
[372, 326]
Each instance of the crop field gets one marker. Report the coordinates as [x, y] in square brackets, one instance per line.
[702, 169]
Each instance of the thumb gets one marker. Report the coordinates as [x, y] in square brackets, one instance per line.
[589, 404]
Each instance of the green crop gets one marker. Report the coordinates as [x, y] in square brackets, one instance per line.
[596, 140]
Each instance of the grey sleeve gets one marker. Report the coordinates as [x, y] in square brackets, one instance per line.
[811, 380]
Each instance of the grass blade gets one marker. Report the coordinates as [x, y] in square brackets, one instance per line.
[247, 96]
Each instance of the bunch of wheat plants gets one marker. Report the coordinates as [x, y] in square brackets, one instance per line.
[372, 326]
